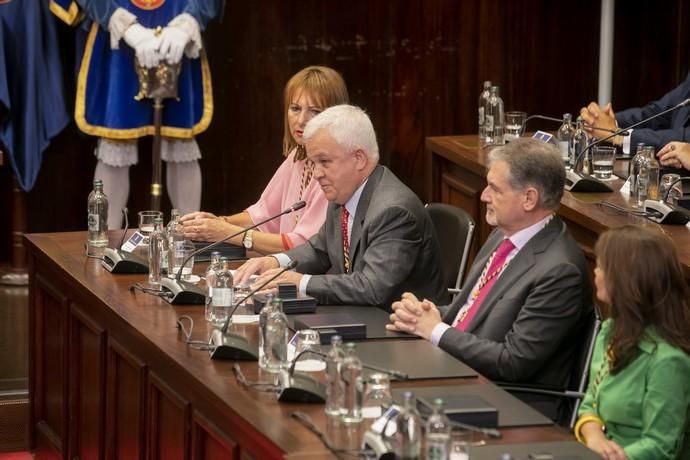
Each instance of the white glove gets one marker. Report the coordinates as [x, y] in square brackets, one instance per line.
[136, 34]
[173, 42]
[145, 44]
[147, 52]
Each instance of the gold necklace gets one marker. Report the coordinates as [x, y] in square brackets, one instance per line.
[307, 174]
[483, 279]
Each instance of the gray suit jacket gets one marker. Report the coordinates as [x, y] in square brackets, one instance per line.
[527, 327]
[393, 249]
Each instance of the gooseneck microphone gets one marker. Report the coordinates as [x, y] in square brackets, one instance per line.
[490, 432]
[182, 292]
[560, 120]
[578, 182]
[118, 261]
[225, 345]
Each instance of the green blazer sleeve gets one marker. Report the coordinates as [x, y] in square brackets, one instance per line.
[664, 408]
[645, 406]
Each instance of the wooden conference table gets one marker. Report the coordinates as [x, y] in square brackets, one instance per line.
[111, 377]
[456, 174]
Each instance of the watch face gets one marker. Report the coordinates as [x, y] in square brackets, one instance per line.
[247, 243]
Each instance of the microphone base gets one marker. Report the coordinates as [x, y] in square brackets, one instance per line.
[383, 449]
[182, 292]
[663, 213]
[582, 183]
[301, 388]
[118, 261]
[232, 346]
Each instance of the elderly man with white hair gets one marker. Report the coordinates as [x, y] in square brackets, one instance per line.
[377, 241]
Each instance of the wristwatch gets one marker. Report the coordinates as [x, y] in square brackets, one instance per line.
[248, 240]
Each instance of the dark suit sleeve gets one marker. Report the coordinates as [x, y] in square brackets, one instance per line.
[394, 243]
[312, 256]
[662, 130]
[553, 304]
[658, 138]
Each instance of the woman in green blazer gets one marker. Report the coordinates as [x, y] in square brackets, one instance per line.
[638, 399]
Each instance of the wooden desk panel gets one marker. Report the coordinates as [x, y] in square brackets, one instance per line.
[456, 174]
[111, 377]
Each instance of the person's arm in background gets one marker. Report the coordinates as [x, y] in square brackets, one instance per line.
[675, 155]
[657, 132]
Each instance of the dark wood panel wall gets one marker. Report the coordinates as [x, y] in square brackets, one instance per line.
[416, 66]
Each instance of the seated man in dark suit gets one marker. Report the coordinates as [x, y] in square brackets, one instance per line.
[377, 240]
[658, 132]
[518, 317]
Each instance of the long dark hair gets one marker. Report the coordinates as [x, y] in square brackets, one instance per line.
[646, 285]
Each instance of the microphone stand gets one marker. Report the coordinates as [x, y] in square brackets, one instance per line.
[182, 292]
[560, 120]
[226, 345]
[578, 182]
[118, 261]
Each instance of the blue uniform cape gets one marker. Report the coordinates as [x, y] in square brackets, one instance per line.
[107, 82]
[32, 104]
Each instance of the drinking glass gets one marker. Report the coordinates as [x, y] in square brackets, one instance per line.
[377, 395]
[180, 252]
[515, 122]
[460, 444]
[603, 158]
[303, 340]
[675, 193]
[146, 219]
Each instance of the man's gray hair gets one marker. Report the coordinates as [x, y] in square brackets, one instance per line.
[350, 127]
[533, 163]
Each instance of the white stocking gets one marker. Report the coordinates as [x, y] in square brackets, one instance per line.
[116, 187]
[183, 181]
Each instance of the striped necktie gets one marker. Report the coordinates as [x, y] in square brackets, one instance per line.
[346, 242]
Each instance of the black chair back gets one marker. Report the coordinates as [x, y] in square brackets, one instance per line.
[454, 230]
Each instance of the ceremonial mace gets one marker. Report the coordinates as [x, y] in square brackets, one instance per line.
[157, 83]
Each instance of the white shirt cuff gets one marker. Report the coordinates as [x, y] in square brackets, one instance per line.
[303, 284]
[283, 259]
[627, 140]
[120, 21]
[437, 332]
